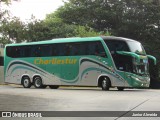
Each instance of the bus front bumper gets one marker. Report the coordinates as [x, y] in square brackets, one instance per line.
[139, 82]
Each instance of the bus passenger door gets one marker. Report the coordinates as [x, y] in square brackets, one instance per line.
[124, 64]
[128, 79]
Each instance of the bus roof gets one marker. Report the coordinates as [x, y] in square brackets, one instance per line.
[118, 38]
[72, 39]
[59, 40]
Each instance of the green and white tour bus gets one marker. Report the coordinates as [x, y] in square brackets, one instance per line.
[1, 54]
[92, 61]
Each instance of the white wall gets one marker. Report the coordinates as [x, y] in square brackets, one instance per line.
[1, 75]
[1, 52]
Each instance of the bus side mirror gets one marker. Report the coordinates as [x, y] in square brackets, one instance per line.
[153, 58]
[132, 54]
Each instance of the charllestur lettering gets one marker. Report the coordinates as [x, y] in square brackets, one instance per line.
[55, 61]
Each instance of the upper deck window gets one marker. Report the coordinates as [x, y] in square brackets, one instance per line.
[136, 47]
[116, 45]
[58, 49]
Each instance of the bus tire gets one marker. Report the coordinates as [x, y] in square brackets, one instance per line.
[38, 82]
[106, 84]
[26, 82]
[120, 88]
[54, 86]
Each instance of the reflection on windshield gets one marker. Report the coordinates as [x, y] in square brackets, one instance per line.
[141, 68]
[136, 47]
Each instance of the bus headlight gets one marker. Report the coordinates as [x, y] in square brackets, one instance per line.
[135, 78]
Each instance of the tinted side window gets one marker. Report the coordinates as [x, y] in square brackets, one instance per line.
[115, 45]
[96, 48]
[8, 51]
[45, 50]
[40, 51]
[76, 48]
[67, 49]
[57, 49]
[27, 51]
[19, 52]
[87, 48]
[11, 51]
[35, 51]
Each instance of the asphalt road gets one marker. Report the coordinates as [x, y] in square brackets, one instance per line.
[17, 98]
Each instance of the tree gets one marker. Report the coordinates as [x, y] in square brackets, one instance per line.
[60, 29]
[136, 19]
[37, 30]
[13, 31]
[4, 18]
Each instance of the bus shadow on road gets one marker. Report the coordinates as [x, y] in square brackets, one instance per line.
[79, 88]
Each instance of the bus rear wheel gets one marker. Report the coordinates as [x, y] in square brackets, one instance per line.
[38, 82]
[106, 84]
[54, 86]
[26, 82]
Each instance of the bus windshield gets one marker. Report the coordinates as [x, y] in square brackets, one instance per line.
[141, 68]
[122, 62]
[128, 63]
[136, 47]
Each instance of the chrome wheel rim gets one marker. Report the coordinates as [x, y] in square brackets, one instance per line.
[104, 83]
[38, 83]
[26, 82]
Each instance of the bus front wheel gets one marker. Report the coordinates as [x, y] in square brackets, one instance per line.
[38, 82]
[106, 84]
[26, 82]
